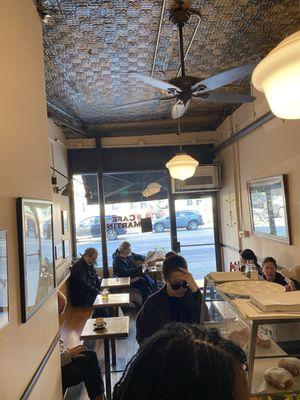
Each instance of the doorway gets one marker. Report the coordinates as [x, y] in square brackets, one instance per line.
[196, 233]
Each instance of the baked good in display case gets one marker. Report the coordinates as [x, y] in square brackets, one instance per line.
[291, 364]
[242, 337]
[279, 378]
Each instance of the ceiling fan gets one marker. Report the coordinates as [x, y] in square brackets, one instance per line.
[185, 88]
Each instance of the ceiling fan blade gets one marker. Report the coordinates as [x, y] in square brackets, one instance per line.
[224, 78]
[142, 102]
[179, 109]
[156, 82]
[215, 97]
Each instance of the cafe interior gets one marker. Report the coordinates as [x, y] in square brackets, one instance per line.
[171, 125]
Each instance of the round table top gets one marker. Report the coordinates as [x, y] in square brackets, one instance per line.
[250, 288]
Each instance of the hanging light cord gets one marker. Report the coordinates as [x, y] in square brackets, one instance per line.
[179, 128]
[179, 133]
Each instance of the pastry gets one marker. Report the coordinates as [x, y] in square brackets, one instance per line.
[263, 342]
[292, 364]
[239, 337]
[279, 378]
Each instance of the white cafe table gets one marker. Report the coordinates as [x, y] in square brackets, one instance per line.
[114, 300]
[115, 283]
[117, 327]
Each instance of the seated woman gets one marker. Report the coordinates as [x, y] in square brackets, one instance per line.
[293, 276]
[129, 264]
[179, 300]
[248, 255]
[78, 364]
[269, 267]
[184, 361]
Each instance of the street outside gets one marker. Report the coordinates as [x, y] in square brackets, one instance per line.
[200, 259]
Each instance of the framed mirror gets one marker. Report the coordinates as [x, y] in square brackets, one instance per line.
[35, 236]
[268, 208]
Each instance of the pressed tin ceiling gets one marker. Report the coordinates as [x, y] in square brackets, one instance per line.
[91, 45]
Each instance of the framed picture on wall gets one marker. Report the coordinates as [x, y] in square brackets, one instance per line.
[35, 237]
[64, 222]
[4, 308]
[66, 248]
[269, 209]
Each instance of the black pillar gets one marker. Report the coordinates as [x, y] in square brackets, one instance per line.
[101, 197]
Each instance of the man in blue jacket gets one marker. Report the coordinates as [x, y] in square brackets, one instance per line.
[129, 264]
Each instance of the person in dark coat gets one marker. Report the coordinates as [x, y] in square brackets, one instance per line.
[129, 264]
[270, 273]
[84, 281]
[178, 301]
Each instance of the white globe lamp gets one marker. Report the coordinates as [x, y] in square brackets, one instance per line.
[182, 166]
[278, 77]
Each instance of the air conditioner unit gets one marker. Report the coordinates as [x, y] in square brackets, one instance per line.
[206, 178]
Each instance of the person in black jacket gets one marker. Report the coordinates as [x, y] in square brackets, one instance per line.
[129, 264]
[270, 273]
[178, 301]
[84, 281]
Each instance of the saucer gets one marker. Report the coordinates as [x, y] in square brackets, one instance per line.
[100, 326]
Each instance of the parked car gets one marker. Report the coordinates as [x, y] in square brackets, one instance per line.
[184, 219]
[91, 227]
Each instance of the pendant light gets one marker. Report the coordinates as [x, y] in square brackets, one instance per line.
[182, 166]
[278, 76]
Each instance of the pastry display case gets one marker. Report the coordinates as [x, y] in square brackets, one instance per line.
[271, 340]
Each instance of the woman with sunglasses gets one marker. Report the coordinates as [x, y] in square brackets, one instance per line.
[178, 301]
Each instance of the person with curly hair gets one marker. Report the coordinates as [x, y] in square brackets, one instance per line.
[184, 361]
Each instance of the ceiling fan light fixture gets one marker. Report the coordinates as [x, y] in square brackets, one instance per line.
[278, 77]
[182, 166]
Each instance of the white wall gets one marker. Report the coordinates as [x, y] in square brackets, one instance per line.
[272, 149]
[58, 157]
[24, 171]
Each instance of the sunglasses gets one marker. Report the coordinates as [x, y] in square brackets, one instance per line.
[177, 286]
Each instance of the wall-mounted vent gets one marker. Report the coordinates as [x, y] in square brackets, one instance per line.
[206, 178]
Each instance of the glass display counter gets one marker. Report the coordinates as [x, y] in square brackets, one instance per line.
[269, 339]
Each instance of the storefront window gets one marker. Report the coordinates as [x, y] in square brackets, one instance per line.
[125, 207]
[123, 218]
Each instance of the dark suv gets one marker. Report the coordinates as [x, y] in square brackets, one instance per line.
[91, 227]
[184, 219]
